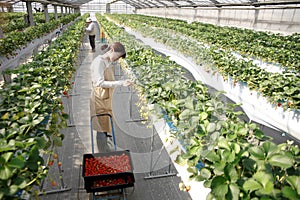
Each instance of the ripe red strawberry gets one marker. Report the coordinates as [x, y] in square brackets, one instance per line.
[50, 163]
[53, 183]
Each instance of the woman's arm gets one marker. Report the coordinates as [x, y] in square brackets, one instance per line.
[98, 67]
[90, 27]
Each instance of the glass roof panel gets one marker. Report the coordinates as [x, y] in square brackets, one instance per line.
[234, 1]
[70, 2]
[9, 1]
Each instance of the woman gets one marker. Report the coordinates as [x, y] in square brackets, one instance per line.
[103, 84]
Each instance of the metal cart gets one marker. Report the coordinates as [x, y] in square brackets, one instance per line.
[106, 175]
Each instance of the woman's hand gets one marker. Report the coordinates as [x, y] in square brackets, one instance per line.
[128, 82]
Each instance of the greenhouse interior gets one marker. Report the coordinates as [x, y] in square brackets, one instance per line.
[150, 99]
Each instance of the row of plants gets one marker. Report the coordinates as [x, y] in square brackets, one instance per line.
[31, 113]
[10, 21]
[17, 40]
[15, 21]
[281, 89]
[268, 47]
[7, 16]
[232, 157]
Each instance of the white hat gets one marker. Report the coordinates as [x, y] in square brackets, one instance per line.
[88, 20]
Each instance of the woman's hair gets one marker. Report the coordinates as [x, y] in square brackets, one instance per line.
[118, 47]
[105, 48]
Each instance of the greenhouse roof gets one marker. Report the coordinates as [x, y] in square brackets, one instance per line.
[202, 3]
[55, 2]
[165, 3]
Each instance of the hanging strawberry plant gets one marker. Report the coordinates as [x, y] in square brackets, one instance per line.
[31, 114]
[222, 60]
[232, 157]
[16, 39]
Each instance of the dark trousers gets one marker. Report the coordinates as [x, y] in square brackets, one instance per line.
[92, 41]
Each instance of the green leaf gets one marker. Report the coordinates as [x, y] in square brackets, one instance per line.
[57, 140]
[249, 164]
[294, 181]
[219, 187]
[211, 156]
[229, 156]
[263, 178]
[37, 121]
[234, 191]
[269, 148]
[17, 163]
[41, 143]
[257, 152]
[5, 172]
[189, 103]
[282, 161]
[194, 150]
[251, 185]
[290, 193]
[223, 143]
[231, 173]
[211, 127]
[192, 170]
[13, 189]
[180, 161]
[7, 156]
[205, 173]
[236, 147]
[268, 189]
[243, 131]
[185, 114]
[5, 116]
[203, 116]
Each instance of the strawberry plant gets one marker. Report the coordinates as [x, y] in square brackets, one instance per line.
[16, 40]
[31, 114]
[230, 156]
[224, 61]
[267, 46]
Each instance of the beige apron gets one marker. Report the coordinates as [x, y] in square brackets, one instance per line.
[101, 102]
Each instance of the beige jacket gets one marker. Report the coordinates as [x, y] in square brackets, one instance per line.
[91, 29]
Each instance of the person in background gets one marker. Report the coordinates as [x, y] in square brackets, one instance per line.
[91, 30]
[103, 84]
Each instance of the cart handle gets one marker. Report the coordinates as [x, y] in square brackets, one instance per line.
[112, 129]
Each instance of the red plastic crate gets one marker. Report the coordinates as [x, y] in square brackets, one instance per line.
[107, 171]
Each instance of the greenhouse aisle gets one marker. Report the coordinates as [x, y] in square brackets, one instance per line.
[131, 134]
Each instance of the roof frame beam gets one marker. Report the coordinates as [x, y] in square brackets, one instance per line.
[151, 2]
[143, 3]
[133, 3]
[254, 3]
[174, 3]
[56, 2]
[163, 4]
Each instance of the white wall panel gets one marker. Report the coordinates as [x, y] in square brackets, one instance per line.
[283, 20]
[288, 15]
[297, 16]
